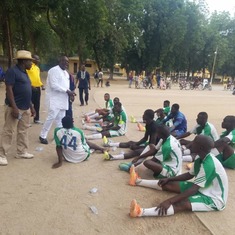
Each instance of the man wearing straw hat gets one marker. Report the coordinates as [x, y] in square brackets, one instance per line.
[18, 107]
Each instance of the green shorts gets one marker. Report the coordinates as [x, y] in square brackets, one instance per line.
[199, 202]
[165, 173]
[229, 162]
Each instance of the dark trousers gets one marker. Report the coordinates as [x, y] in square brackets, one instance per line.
[36, 96]
[69, 112]
[81, 95]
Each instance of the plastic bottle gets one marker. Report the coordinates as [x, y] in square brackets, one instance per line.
[93, 190]
[94, 210]
[39, 149]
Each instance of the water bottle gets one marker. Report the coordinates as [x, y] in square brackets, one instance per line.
[94, 210]
[93, 190]
[39, 149]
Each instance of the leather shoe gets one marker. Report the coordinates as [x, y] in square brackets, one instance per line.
[42, 140]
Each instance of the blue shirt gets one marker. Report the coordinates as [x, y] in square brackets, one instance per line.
[179, 121]
[83, 77]
[21, 87]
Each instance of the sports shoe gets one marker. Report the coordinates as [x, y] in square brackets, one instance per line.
[135, 209]
[133, 120]
[105, 141]
[3, 161]
[83, 121]
[43, 140]
[99, 129]
[107, 156]
[140, 127]
[189, 165]
[133, 176]
[38, 122]
[24, 155]
[125, 166]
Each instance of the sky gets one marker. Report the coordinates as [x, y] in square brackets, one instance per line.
[222, 5]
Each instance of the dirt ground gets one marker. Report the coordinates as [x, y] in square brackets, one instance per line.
[35, 199]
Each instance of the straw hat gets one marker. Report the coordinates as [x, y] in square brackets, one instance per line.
[22, 54]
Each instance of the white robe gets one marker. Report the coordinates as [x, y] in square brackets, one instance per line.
[57, 85]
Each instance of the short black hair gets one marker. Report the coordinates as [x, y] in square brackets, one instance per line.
[167, 102]
[119, 104]
[231, 119]
[67, 122]
[204, 114]
[176, 106]
[149, 113]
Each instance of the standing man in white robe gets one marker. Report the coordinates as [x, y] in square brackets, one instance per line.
[57, 94]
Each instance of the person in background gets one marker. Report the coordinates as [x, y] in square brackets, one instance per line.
[36, 84]
[96, 77]
[83, 81]
[179, 121]
[100, 77]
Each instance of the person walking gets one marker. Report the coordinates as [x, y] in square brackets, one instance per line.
[18, 107]
[36, 84]
[83, 81]
[100, 77]
[57, 95]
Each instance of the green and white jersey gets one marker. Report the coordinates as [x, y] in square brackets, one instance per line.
[211, 177]
[230, 136]
[109, 104]
[167, 110]
[121, 121]
[73, 143]
[170, 154]
[208, 130]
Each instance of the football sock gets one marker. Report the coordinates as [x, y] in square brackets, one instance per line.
[148, 183]
[94, 136]
[118, 157]
[186, 152]
[112, 144]
[187, 158]
[154, 212]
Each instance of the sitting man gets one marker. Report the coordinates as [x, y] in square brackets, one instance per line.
[179, 121]
[203, 127]
[167, 161]
[137, 147]
[96, 115]
[208, 191]
[224, 147]
[116, 128]
[71, 144]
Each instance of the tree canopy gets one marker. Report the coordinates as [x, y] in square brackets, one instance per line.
[172, 35]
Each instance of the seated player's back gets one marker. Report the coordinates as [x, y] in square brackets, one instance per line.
[73, 142]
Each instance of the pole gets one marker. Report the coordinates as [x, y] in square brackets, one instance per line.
[213, 67]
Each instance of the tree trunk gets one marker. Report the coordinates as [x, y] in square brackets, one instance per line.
[59, 32]
[96, 56]
[111, 73]
[8, 37]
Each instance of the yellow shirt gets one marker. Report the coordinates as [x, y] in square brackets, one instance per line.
[34, 76]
